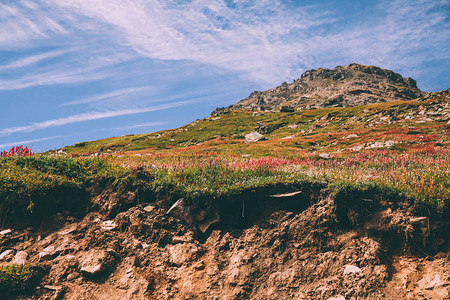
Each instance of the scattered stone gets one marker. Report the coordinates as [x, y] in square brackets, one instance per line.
[418, 219]
[187, 238]
[70, 229]
[436, 280]
[53, 287]
[350, 269]
[325, 155]
[95, 262]
[293, 126]
[109, 225]
[351, 136]
[6, 255]
[287, 137]
[337, 297]
[178, 209]
[149, 208]
[48, 253]
[254, 137]
[20, 258]
[181, 253]
[5, 232]
[286, 195]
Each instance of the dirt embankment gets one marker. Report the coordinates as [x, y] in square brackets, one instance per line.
[283, 242]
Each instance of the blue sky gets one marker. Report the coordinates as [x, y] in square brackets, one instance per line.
[79, 70]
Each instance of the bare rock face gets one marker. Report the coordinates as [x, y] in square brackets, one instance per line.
[350, 85]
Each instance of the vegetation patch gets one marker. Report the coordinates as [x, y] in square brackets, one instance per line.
[16, 279]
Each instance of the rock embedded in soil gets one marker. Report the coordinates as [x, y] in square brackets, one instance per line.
[149, 208]
[95, 262]
[7, 254]
[181, 253]
[20, 258]
[350, 269]
[5, 232]
[48, 253]
[109, 225]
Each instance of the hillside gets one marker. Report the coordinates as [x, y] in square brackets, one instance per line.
[405, 124]
[347, 201]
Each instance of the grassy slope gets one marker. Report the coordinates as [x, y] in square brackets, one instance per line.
[318, 130]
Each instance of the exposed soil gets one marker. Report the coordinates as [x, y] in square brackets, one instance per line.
[292, 245]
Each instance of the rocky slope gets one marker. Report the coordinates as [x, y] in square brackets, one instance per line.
[350, 85]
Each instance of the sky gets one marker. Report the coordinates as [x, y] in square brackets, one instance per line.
[80, 70]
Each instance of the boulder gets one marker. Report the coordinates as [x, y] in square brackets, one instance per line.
[254, 137]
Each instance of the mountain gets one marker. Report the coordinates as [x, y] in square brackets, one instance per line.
[350, 85]
[324, 203]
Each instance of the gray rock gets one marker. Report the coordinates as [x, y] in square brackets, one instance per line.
[254, 137]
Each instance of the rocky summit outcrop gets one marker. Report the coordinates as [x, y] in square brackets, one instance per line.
[350, 85]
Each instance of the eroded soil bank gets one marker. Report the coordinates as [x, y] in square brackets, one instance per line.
[283, 242]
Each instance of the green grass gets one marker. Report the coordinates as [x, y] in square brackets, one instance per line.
[15, 279]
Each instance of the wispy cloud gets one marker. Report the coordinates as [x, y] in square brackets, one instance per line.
[73, 69]
[92, 116]
[142, 125]
[265, 41]
[269, 40]
[29, 141]
[110, 95]
[31, 60]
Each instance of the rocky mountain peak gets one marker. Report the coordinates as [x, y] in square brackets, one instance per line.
[350, 85]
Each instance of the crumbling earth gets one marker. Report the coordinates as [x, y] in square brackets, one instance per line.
[292, 245]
